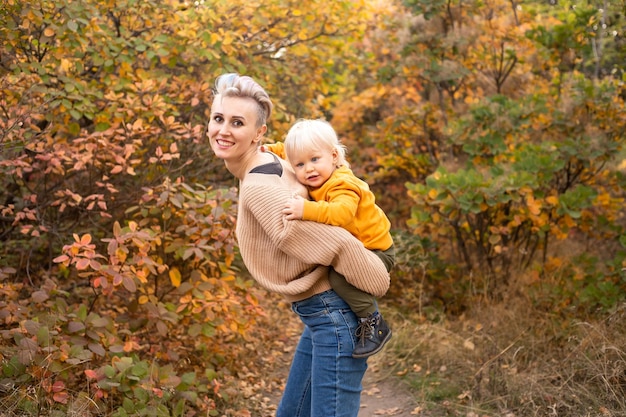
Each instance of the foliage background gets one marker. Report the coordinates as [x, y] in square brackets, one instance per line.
[492, 133]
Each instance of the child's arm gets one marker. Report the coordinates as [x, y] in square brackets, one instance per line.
[278, 148]
[339, 210]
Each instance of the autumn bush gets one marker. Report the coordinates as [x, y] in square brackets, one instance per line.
[148, 321]
[486, 144]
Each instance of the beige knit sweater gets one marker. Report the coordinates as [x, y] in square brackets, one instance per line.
[290, 257]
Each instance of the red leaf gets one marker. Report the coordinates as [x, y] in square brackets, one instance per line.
[61, 397]
[117, 280]
[58, 386]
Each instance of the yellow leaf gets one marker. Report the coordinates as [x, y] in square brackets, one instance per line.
[534, 206]
[552, 200]
[175, 277]
[121, 255]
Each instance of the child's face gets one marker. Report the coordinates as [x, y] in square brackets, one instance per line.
[315, 166]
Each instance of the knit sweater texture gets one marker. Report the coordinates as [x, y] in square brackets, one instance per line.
[291, 257]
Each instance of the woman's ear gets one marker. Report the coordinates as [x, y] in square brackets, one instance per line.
[260, 132]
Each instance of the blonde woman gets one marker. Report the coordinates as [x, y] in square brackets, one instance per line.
[292, 257]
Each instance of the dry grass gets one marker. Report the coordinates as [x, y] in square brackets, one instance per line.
[509, 360]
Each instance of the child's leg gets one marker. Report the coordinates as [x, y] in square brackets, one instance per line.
[387, 256]
[372, 332]
[360, 302]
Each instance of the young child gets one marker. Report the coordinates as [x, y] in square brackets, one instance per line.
[341, 199]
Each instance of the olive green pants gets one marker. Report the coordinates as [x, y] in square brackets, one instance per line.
[361, 303]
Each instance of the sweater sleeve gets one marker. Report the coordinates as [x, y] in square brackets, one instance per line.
[317, 243]
[334, 246]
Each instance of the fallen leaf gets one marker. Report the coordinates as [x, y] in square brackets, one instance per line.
[389, 412]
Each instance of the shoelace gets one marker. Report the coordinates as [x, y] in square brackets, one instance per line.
[365, 330]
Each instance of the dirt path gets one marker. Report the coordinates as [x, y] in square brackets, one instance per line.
[385, 396]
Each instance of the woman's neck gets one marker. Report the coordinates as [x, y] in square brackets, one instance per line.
[240, 167]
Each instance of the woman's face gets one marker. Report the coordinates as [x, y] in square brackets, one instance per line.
[232, 128]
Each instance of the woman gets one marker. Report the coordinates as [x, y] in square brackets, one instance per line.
[292, 257]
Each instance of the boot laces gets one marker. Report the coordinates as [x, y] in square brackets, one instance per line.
[365, 329]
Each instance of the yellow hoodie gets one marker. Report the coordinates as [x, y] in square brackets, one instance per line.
[346, 201]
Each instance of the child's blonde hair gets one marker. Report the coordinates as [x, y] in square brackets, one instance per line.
[308, 134]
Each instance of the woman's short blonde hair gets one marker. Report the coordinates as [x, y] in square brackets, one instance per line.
[235, 85]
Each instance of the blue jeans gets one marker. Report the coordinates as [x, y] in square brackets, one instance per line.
[324, 380]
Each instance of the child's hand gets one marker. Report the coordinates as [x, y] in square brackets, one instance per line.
[262, 148]
[294, 208]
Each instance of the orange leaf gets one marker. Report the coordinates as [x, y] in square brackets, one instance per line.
[85, 239]
[82, 264]
[61, 259]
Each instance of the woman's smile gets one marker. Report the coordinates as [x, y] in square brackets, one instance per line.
[224, 143]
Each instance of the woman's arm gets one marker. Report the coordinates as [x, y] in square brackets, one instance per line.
[314, 243]
[334, 246]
